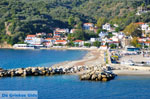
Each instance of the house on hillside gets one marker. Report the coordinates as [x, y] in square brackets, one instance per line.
[40, 34]
[88, 26]
[57, 37]
[95, 39]
[73, 30]
[60, 32]
[102, 34]
[145, 28]
[106, 27]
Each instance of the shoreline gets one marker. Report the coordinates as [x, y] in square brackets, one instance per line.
[95, 57]
[90, 59]
[53, 48]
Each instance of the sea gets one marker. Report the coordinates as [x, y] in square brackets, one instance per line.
[67, 86]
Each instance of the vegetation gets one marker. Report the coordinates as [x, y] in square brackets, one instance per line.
[133, 30]
[113, 46]
[24, 17]
[87, 44]
[135, 43]
[97, 44]
[84, 35]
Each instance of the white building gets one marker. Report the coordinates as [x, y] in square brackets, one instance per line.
[102, 34]
[58, 30]
[94, 39]
[106, 27]
[145, 27]
[63, 42]
[32, 39]
[88, 26]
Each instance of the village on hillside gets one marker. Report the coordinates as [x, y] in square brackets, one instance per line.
[109, 37]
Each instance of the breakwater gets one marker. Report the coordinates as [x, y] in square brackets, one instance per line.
[94, 73]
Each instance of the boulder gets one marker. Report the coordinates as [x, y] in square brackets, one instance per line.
[99, 77]
[1, 74]
[93, 77]
[104, 76]
[104, 79]
[20, 71]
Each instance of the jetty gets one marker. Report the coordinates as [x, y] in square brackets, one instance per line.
[93, 73]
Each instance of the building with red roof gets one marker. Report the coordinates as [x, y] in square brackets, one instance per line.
[63, 42]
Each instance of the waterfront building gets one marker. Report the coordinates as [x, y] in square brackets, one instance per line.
[79, 42]
[62, 42]
[32, 39]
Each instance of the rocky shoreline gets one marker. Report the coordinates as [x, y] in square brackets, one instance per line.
[93, 73]
[89, 68]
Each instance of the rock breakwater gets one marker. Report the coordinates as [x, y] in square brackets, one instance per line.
[94, 73]
[98, 75]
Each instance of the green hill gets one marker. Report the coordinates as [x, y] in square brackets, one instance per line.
[22, 17]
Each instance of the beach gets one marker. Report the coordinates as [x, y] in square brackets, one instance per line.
[95, 57]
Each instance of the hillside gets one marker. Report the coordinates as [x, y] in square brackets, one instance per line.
[31, 16]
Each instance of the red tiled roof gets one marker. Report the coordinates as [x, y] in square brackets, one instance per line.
[139, 23]
[147, 42]
[49, 39]
[60, 40]
[103, 46]
[78, 41]
[28, 39]
[30, 35]
[56, 37]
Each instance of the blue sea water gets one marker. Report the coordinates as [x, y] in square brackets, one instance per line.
[69, 86]
[10, 58]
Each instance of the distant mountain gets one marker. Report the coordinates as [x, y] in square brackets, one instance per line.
[31, 16]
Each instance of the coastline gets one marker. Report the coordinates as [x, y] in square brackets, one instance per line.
[52, 48]
[95, 57]
[121, 70]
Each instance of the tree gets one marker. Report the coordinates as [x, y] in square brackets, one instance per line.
[70, 43]
[145, 46]
[110, 35]
[134, 42]
[113, 46]
[117, 29]
[71, 21]
[87, 44]
[79, 25]
[97, 43]
[79, 34]
[100, 22]
[133, 30]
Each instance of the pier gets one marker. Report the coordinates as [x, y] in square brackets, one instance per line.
[93, 73]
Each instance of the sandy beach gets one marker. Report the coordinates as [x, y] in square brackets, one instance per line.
[95, 57]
